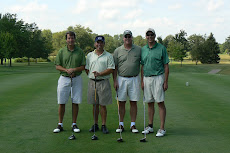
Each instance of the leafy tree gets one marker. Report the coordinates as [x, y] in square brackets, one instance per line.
[209, 54]
[167, 40]
[118, 40]
[160, 40]
[177, 50]
[139, 40]
[226, 46]
[109, 43]
[196, 43]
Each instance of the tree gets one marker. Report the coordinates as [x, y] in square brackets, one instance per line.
[109, 43]
[226, 46]
[196, 43]
[167, 40]
[8, 45]
[139, 40]
[209, 54]
[160, 40]
[177, 50]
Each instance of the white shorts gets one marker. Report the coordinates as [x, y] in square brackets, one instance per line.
[153, 89]
[64, 89]
[128, 87]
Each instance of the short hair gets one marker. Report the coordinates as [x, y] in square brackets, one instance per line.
[71, 33]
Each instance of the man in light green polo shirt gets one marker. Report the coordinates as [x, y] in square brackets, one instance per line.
[70, 61]
[154, 79]
[99, 66]
[126, 78]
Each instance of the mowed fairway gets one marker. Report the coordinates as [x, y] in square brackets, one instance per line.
[197, 115]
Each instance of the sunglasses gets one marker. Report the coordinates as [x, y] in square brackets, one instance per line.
[128, 36]
[149, 34]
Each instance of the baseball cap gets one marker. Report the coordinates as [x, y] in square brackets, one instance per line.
[127, 32]
[150, 29]
[99, 38]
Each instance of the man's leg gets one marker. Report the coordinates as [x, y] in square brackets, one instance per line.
[95, 114]
[151, 111]
[103, 112]
[122, 110]
[133, 110]
[61, 112]
[75, 108]
[162, 112]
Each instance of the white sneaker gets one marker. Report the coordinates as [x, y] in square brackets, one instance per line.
[58, 129]
[120, 129]
[134, 129]
[160, 133]
[75, 129]
[148, 130]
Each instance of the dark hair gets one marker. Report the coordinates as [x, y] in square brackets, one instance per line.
[71, 33]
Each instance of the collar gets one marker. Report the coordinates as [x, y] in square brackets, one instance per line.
[123, 47]
[153, 46]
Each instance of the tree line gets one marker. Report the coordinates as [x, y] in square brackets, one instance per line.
[20, 39]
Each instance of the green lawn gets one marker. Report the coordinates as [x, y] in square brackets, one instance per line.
[197, 115]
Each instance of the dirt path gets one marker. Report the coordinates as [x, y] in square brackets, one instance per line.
[214, 71]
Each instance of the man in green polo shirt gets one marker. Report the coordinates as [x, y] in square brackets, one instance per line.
[127, 83]
[154, 79]
[99, 66]
[70, 61]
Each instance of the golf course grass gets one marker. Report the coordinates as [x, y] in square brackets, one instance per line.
[197, 115]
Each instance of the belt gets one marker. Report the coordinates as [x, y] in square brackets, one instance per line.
[129, 76]
[97, 80]
[151, 75]
[69, 76]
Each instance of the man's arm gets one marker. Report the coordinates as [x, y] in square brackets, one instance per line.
[106, 72]
[142, 77]
[71, 70]
[166, 67]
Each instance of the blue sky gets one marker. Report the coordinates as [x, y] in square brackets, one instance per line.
[114, 16]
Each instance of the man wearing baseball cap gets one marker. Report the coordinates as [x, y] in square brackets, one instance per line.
[154, 79]
[126, 78]
[99, 65]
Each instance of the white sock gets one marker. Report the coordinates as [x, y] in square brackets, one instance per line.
[122, 123]
[60, 124]
[73, 124]
[132, 123]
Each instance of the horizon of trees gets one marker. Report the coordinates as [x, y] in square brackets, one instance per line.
[20, 39]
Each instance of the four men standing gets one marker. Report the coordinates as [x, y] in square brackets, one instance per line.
[125, 67]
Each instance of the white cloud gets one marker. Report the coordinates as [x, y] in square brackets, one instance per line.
[175, 6]
[30, 7]
[119, 3]
[109, 14]
[214, 4]
[133, 14]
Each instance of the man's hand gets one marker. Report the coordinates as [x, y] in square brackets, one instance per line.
[115, 85]
[96, 73]
[165, 86]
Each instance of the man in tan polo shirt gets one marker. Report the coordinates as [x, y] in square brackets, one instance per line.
[127, 83]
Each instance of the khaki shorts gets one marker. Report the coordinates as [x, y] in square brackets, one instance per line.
[128, 87]
[64, 89]
[153, 89]
[103, 92]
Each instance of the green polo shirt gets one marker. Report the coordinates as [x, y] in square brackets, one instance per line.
[99, 64]
[127, 61]
[154, 59]
[70, 59]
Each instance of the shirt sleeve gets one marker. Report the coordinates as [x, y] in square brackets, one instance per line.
[83, 59]
[87, 61]
[58, 60]
[111, 64]
[115, 57]
[165, 57]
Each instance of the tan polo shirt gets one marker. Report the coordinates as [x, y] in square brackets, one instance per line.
[127, 61]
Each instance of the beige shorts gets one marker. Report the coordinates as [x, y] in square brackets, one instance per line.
[128, 87]
[64, 89]
[103, 92]
[153, 89]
